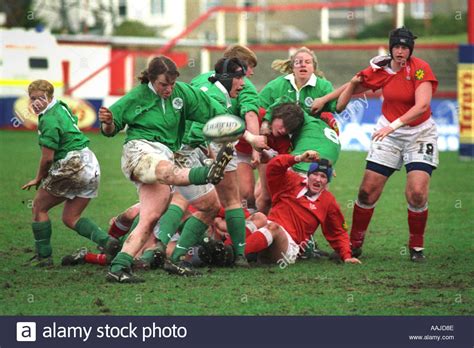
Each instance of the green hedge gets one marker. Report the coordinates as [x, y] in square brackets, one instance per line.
[437, 25]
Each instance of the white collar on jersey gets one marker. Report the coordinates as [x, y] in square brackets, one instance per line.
[50, 105]
[150, 86]
[311, 82]
[378, 59]
[223, 90]
[303, 192]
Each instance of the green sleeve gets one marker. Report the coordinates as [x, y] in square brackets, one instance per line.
[265, 98]
[199, 106]
[50, 133]
[119, 109]
[248, 99]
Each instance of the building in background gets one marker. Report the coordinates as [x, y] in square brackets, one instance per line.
[102, 16]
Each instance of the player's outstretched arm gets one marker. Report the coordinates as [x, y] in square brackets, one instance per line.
[318, 103]
[47, 158]
[347, 93]
[307, 156]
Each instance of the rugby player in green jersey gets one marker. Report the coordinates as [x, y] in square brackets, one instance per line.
[155, 112]
[68, 172]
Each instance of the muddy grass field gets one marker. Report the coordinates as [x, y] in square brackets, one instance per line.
[387, 283]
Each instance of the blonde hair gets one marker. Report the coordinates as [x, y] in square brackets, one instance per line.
[41, 85]
[241, 52]
[285, 66]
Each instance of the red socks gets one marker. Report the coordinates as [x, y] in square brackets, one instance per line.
[117, 229]
[360, 221]
[99, 259]
[416, 224]
[256, 242]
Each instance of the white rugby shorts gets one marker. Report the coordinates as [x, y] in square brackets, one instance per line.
[136, 150]
[76, 175]
[406, 145]
[293, 249]
[188, 157]
[232, 166]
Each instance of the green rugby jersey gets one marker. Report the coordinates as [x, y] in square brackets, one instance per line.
[316, 135]
[216, 91]
[58, 131]
[316, 87]
[150, 117]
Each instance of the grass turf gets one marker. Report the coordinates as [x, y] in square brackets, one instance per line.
[386, 284]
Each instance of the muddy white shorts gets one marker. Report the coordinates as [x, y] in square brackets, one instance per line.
[406, 145]
[232, 166]
[188, 157]
[293, 249]
[140, 157]
[76, 175]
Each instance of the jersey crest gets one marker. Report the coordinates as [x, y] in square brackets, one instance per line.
[419, 74]
[308, 101]
[178, 103]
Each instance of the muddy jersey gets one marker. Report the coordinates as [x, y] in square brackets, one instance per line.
[58, 131]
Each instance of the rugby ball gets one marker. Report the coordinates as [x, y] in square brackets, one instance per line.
[224, 128]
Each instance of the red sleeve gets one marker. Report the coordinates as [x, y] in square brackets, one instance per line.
[334, 230]
[277, 170]
[374, 80]
[423, 73]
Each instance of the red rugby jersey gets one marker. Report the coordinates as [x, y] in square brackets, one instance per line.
[301, 216]
[398, 89]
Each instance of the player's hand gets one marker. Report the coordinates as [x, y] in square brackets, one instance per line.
[255, 161]
[35, 182]
[259, 143]
[317, 106]
[105, 115]
[353, 260]
[356, 79]
[382, 133]
[265, 128]
[308, 156]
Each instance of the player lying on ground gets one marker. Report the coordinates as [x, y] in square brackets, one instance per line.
[68, 172]
[299, 206]
[155, 113]
[307, 133]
